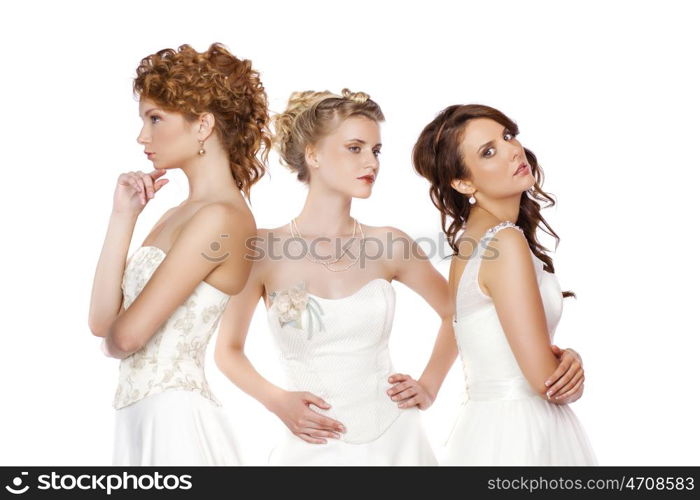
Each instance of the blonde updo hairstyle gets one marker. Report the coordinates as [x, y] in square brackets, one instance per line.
[216, 82]
[312, 115]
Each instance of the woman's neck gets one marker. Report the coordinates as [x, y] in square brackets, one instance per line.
[325, 213]
[493, 212]
[210, 179]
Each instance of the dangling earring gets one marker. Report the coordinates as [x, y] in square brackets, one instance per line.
[201, 149]
[472, 200]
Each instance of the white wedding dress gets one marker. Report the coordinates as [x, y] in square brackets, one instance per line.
[165, 412]
[338, 350]
[503, 421]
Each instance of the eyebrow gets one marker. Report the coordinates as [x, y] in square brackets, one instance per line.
[150, 111]
[491, 143]
[363, 142]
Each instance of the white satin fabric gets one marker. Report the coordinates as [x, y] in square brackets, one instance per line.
[338, 350]
[174, 427]
[503, 421]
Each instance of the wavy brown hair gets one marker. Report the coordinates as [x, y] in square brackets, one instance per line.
[217, 82]
[437, 157]
[311, 115]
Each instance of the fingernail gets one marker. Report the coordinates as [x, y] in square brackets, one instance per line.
[395, 398]
[400, 405]
[547, 383]
[549, 394]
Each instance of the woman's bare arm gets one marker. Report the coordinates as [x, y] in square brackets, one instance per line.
[181, 271]
[106, 297]
[418, 273]
[229, 353]
[131, 194]
[291, 407]
[511, 282]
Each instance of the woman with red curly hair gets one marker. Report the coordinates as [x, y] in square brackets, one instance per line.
[205, 114]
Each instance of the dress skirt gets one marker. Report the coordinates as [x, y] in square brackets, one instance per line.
[404, 442]
[174, 427]
[527, 431]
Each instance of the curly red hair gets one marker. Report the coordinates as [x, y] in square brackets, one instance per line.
[215, 81]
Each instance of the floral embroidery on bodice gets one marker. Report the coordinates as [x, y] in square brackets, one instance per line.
[174, 357]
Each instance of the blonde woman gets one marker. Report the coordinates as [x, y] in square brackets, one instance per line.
[329, 307]
[205, 114]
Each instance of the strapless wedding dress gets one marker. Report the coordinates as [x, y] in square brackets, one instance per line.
[165, 411]
[503, 421]
[338, 350]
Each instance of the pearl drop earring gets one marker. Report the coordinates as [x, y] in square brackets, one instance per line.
[472, 200]
[201, 149]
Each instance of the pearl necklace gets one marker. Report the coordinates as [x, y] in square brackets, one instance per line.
[293, 227]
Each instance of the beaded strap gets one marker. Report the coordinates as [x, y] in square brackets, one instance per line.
[505, 223]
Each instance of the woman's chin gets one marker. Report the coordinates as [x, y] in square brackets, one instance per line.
[157, 164]
[362, 195]
[526, 183]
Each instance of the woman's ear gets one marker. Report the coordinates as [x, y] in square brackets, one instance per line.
[311, 156]
[205, 126]
[463, 186]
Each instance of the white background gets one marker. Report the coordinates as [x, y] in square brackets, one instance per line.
[605, 93]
